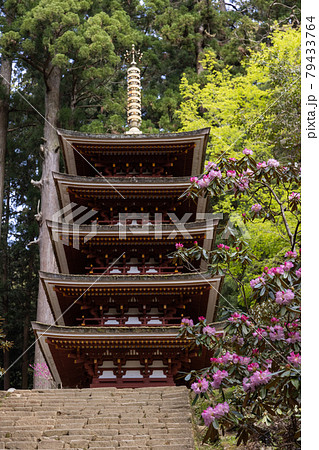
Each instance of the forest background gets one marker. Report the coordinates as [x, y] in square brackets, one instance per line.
[231, 65]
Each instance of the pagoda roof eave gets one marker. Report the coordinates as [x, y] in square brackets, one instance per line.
[200, 226]
[129, 137]
[126, 181]
[112, 332]
[183, 278]
[69, 139]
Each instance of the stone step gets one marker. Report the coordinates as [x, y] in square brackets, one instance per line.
[104, 418]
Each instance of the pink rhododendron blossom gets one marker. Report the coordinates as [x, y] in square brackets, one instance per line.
[210, 414]
[276, 270]
[201, 318]
[258, 378]
[293, 337]
[288, 265]
[195, 243]
[284, 297]
[231, 173]
[298, 273]
[210, 165]
[294, 196]
[256, 207]
[235, 317]
[204, 182]
[274, 319]
[226, 247]
[209, 331]
[214, 174]
[294, 359]
[259, 280]
[187, 322]
[179, 245]
[243, 184]
[245, 360]
[220, 246]
[218, 378]
[276, 333]
[201, 386]
[272, 163]
[260, 333]
[291, 255]
[261, 165]
[252, 367]
[193, 179]
[248, 172]
[216, 360]
[255, 351]
[246, 151]
[232, 159]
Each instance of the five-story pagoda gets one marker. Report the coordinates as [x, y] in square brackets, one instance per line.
[117, 303]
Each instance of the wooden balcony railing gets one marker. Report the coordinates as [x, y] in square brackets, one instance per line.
[130, 321]
[133, 269]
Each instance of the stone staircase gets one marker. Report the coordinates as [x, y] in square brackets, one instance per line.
[104, 418]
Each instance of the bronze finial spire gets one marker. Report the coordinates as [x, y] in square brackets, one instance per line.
[134, 113]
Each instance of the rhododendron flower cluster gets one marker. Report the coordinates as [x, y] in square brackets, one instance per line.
[252, 367]
[294, 196]
[231, 173]
[210, 414]
[187, 322]
[242, 184]
[294, 359]
[201, 386]
[179, 245]
[246, 151]
[276, 333]
[223, 246]
[231, 358]
[209, 330]
[284, 297]
[256, 281]
[210, 165]
[293, 337]
[291, 255]
[237, 318]
[218, 378]
[260, 333]
[258, 378]
[298, 273]
[256, 207]
[261, 165]
[272, 163]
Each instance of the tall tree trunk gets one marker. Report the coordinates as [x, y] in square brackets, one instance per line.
[4, 282]
[5, 80]
[26, 325]
[49, 200]
[199, 50]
